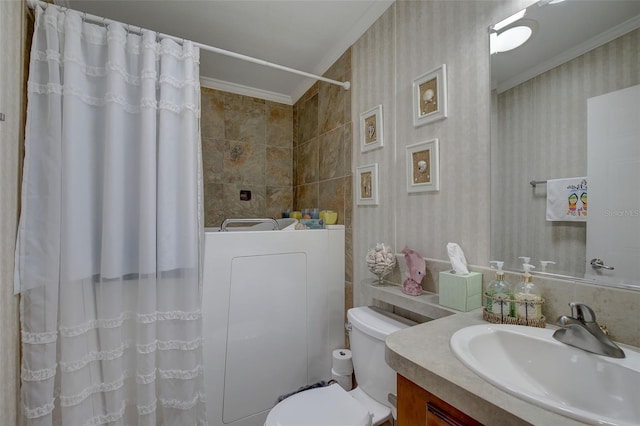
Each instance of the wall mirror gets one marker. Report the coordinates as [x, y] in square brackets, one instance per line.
[574, 50]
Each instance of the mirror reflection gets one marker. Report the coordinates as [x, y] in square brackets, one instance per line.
[572, 51]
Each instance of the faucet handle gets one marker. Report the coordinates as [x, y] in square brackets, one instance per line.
[582, 312]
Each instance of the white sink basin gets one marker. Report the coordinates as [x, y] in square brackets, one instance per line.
[528, 363]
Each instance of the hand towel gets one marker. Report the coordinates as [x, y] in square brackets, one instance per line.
[567, 199]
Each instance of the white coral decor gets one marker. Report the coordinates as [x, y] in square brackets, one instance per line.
[381, 260]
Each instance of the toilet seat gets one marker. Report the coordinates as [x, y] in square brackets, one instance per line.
[329, 405]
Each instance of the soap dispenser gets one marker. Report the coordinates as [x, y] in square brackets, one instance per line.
[499, 294]
[526, 292]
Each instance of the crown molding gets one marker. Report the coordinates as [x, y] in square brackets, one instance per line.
[240, 89]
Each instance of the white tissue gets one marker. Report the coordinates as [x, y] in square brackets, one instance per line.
[457, 259]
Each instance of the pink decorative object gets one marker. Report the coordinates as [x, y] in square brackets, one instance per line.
[417, 269]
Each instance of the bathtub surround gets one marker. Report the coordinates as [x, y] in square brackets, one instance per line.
[290, 157]
[108, 267]
[247, 145]
[322, 145]
[409, 38]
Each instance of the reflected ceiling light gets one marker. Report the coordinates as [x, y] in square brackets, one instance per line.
[512, 35]
[510, 39]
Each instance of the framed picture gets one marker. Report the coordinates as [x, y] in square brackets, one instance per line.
[367, 185]
[371, 129]
[430, 96]
[423, 172]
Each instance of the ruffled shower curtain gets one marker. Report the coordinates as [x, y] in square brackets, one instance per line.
[109, 242]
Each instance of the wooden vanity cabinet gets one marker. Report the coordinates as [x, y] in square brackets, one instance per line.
[417, 407]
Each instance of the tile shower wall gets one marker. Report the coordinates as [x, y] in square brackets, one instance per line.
[247, 144]
[322, 154]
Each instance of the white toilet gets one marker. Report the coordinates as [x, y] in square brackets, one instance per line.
[365, 405]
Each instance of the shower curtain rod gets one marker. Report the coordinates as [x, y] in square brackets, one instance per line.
[99, 19]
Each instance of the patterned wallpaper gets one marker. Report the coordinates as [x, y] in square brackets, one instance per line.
[410, 39]
[542, 134]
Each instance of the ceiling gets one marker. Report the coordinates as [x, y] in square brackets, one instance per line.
[308, 35]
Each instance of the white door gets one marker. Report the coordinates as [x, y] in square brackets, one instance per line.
[613, 170]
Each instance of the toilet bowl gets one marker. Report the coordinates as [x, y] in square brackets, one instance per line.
[365, 405]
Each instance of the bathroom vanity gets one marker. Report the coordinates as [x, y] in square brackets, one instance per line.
[421, 356]
[417, 406]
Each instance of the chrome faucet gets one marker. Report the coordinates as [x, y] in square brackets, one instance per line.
[582, 331]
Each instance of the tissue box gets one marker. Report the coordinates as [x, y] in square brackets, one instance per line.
[461, 292]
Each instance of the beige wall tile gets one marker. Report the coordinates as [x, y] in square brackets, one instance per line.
[279, 125]
[307, 119]
[212, 114]
[307, 162]
[244, 119]
[213, 160]
[214, 206]
[279, 170]
[332, 196]
[322, 154]
[234, 207]
[333, 161]
[278, 199]
[348, 255]
[295, 119]
[348, 297]
[331, 105]
[306, 196]
[244, 162]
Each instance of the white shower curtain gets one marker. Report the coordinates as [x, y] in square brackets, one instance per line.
[108, 258]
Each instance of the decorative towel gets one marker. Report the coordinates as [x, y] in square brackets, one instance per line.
[567, 199]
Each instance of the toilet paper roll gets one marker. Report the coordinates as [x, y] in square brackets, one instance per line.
[342, 363]
[344, 380]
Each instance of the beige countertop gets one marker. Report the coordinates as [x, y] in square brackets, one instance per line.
[422, 355]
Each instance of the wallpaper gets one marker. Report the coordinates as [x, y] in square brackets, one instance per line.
[412, 38]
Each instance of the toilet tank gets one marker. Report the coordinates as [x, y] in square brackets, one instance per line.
[369, 328]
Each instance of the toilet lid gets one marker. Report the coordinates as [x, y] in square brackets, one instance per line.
[329, 405]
